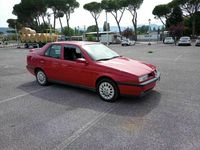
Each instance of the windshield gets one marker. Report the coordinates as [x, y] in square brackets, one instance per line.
[185, 38]
[100, 52]
[168, 38]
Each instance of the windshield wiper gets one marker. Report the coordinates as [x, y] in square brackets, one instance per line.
[115, 57]
[103, 59]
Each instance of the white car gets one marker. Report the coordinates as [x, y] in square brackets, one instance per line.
[169, 40]
[197, 43]
[185, 40]
[127, 42]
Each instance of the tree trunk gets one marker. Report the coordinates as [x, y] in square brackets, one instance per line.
[120, 32]
[54, 20]
[43, 19]
[38, 20]
[135, 27]
[67, 19]
[193, 25]
[97, 29]
[61, 24]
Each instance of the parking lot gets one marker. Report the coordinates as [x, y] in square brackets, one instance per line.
[60, 117]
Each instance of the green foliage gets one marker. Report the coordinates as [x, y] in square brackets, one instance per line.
[128, 33]
[42, 28]
[176, 30]
[68, 7]
[11, 31]
[189, 8]
[14, 23]
[68, 31]
[132, 7]
[28, 12]
[176, 17]
[116, 8]
[113, 5]
[162, 11]
[91, 38]
[188, 25]
[143, 29]
[94, 8]
[92, 28]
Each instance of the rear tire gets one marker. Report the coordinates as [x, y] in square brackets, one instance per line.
[41, 78]
[107, 90]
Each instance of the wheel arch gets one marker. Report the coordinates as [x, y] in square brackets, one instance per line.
[105, 77]
[38, 68]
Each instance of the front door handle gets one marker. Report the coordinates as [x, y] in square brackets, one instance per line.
[42, 61]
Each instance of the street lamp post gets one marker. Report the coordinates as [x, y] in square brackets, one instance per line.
[17, 36]
[84, 37]
[48, 17]
[149, 31]
[107, 28]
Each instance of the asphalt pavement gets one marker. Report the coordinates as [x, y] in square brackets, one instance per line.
[60, 117]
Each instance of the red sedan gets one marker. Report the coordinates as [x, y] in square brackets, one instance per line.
[93, 66]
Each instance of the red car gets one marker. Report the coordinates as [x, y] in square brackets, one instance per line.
[94, 66]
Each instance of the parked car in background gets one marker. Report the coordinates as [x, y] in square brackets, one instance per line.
[127, 42]
[169, 40]
[197, 43]
[185, 40]
[93, 66]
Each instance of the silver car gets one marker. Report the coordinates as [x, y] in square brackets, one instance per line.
[197, 43]
[127, 42]
[185, 40]
[169, 40]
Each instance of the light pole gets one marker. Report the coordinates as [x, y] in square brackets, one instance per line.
[17, 36]
[107, 28]
[149, 31]
[84, 37]
[78, 30]
[48, 17]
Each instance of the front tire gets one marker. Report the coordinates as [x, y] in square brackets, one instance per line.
[107, 90]
[41, 78]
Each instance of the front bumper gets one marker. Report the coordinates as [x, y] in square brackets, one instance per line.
[138, 89]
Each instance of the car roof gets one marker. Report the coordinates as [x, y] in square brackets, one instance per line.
[185, 37]
[79, 43]
[168, 37]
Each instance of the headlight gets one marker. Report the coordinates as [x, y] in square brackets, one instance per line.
[156, 72]
[143, 78]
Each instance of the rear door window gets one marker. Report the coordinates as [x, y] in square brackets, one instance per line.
[53, 51]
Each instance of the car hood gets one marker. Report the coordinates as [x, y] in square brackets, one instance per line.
[128, 65]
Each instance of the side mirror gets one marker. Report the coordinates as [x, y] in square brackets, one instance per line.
[81, 60]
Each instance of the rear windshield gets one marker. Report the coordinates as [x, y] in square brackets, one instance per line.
[185, 38]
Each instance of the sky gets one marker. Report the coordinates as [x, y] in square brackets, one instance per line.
[82, 18]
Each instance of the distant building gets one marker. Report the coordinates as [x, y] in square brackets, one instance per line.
[153, 36]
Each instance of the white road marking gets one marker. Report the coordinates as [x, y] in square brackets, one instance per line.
[178, 57]
[22, 95]
[83, 129]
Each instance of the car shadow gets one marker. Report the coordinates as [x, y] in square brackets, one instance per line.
[74, 98]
